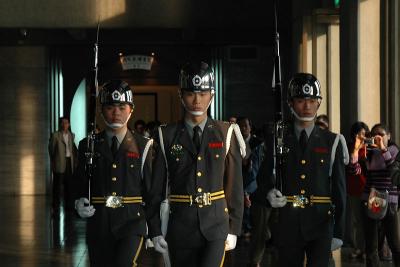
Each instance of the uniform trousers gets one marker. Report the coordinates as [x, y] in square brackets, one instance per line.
[317, 252]
[260, 232]
[106, 250]
[200, 253]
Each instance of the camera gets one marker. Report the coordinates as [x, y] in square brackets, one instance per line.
[369, 141]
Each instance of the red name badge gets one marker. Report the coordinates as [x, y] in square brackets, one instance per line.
[132, 155]
[216, 145]
[321, 150]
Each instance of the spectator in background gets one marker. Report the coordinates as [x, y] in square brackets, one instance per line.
[152, 128]
[232, 119]
[322, 121]
[355, 187]
[249, 176]
[62, 151]
[140, 127]
[260, 209]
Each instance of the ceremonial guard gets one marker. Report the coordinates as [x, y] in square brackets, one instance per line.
[114, 199]
[200, 161]
[311, 192]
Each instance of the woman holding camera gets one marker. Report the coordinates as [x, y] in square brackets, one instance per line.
[374, 164]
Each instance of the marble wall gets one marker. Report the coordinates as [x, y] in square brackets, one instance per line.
[24, 119]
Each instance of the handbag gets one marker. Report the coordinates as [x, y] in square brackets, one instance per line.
[377, 204]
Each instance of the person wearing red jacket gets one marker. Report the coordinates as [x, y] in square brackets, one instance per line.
[355, 187]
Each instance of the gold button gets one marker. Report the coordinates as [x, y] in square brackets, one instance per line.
[131, 165]
[177, 159]
[322, 161]
[303, 161]
[114, 179]
[199, 190]
[114, 193]
[302, 191]
[199, 174]
[226, 209]
[114, 166]
[302, 176]
[217, 156]
[198, 158]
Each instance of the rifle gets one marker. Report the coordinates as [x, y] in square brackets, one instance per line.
[90, 153]
[279, 148]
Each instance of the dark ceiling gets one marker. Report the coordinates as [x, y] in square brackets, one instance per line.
[201, 22]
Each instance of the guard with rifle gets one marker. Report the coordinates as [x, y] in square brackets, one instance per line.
[114, 198]
[310, 191]
[200, 163]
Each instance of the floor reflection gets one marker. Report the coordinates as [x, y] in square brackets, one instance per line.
[33, 234]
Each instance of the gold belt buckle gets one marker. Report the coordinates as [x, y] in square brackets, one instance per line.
[114, 202]
[203, 199]
[300, 201]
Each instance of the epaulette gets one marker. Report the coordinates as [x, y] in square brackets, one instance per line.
[223, 124]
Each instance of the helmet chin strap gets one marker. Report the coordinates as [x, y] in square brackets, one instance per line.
[116, 125]
[197, 113]
[305, 119]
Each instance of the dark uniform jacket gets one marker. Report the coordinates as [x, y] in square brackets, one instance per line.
[121, 177]
[308, 174]
[208, 171]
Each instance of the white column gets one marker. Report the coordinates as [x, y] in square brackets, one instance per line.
[320, 62]
[369, 61]
[333, 79]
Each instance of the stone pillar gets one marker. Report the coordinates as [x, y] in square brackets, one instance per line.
[368, 48]
[333, 77]
[392, 68]
[319, 62]
[348, 65]
[24, 109]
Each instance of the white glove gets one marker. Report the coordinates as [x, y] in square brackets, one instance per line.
[276, 199]
[230, 242]
[336, 243]
[84, 211]
[160, 244]
[148, 243]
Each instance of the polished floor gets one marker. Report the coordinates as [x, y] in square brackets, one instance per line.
[32, 235]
